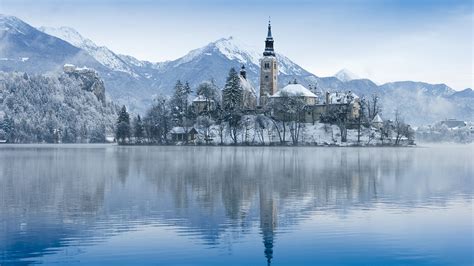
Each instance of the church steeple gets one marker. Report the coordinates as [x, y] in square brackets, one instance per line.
[269, 42]
[268, 69]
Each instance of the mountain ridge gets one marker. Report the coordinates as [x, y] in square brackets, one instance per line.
[142, 80]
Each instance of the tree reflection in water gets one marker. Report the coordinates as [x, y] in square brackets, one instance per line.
[86, 192]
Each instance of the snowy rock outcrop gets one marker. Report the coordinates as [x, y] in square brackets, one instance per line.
[89, 80]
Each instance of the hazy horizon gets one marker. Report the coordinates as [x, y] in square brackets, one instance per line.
[429, 41]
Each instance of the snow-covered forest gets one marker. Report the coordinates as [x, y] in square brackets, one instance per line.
[67, 108]
[440, 132]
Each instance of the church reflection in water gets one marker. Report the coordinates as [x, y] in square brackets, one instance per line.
[60, 193]
[268, 221]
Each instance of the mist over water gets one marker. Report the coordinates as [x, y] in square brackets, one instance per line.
[96, 204]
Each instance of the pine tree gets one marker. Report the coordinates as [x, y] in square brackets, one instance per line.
[179, 103]
[232, 103]
[97, 134]
[8, 127]
[232, 93]
[123, 125]
[138, 129]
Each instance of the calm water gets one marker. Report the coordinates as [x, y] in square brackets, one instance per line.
[236, 206]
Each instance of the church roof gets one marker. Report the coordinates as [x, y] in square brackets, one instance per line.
[182, 130]
[201, 98]
[246, 86]
[377, 119]
[294, 90]
[452, 123]
[342, 97]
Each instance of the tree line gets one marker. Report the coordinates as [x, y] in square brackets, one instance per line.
[222, 119]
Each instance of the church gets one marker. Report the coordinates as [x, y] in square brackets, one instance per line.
[269, 78]
[315, 107]
[268, 70]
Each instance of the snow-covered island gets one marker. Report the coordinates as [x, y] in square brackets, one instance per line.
[238, 115]
[293, 116]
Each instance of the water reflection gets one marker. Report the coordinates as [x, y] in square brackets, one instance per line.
[59, 196]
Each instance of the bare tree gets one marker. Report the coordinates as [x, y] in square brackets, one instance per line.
[373, 107]
[386, 131]
[157, 121]
[205, 122]
[286, 113]
[295, 109]
[338, 115]
[261, 125]
[401, 128]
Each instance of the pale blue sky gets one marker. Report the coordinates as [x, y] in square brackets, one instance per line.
[382, 40]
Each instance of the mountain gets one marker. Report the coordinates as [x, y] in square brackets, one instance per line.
[135, 82]
[345, 75]
[466, 93]
[24, 48]
[100, 53]
[214, 60]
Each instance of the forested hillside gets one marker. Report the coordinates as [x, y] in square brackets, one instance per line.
[65, 108]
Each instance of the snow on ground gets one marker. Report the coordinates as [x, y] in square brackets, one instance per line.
[311, 134]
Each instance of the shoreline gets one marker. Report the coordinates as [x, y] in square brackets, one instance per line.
[204, 145]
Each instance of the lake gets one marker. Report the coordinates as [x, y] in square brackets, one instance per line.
[99, 204]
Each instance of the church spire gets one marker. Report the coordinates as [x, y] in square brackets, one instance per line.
[269, 42]
[269, 34]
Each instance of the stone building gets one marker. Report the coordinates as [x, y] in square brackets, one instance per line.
[268, 70]
[333, 102]
[201, 104]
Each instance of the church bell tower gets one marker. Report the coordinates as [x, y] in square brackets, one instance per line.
[268, 69]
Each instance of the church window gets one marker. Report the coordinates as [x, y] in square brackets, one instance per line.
[266, 77]
[267, 65]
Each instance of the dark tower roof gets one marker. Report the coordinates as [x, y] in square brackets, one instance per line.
[269, 42]
[243, 73]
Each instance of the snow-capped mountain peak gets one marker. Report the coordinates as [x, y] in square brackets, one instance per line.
[345, 75]
[13, 24]
[230, 47]
[70, 35]
[100, 53]
[233, 48]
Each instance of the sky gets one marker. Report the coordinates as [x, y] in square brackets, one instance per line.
[383, 40]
